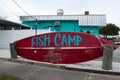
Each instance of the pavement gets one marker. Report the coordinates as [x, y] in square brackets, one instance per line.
[33, 70]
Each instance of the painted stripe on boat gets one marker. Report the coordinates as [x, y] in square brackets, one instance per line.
[58, 47]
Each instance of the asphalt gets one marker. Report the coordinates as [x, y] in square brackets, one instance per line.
[35, 72]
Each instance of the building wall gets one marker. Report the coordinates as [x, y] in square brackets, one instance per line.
[93, 20]
[65, 26]
[68, 26]
[93, 29]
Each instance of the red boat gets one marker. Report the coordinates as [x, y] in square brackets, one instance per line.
[61, 47]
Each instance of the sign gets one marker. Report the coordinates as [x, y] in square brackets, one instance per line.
[58, 40]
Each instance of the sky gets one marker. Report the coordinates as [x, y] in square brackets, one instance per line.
[111, 8]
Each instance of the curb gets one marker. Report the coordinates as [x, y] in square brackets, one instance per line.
[93, 71]
[57, 66]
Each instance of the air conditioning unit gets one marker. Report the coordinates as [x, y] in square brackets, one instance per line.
[57, 24]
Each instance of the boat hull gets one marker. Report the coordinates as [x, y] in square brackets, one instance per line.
[64, 56]
[60, 47]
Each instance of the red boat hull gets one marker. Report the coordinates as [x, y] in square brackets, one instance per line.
[61, 55]
[60, 47]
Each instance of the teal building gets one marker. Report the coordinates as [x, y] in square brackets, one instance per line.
[66, 23]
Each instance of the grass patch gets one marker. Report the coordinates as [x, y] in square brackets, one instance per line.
[8, 77]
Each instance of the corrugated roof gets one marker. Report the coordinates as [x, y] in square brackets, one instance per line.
[4, 22]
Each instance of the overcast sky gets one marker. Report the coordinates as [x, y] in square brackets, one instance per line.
[111, 8]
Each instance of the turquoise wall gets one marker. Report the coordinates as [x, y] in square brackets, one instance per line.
[65, 26]
[93, 29]
[69, 26]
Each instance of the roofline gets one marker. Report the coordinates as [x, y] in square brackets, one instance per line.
[15, 23]
[67, 15]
